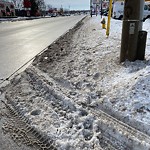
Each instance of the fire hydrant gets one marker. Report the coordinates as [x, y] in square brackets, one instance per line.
[103, 22]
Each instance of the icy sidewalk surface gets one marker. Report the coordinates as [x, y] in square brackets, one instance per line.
[81, 71]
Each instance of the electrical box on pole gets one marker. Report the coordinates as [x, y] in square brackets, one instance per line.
[132, 24]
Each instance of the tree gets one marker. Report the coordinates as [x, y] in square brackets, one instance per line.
[34, 7]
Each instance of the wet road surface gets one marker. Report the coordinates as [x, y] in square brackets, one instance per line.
[22, 40]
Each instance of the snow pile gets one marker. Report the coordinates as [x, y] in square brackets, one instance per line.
[78, 73]
[127, 91]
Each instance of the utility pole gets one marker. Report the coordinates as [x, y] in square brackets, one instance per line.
[132, 24]
[91, 7]
[101, 8]
[96, 9]
[69, 9]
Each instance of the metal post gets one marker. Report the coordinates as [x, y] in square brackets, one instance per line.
[96, 9]
[101, 8]
[132, 24]
[91, 7]
[109, 17]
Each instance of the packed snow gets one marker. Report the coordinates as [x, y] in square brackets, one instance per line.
[79, 73]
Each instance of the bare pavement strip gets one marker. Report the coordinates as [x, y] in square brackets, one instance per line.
[59, 95]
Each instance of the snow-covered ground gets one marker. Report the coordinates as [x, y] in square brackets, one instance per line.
[128, 90]
[78, 73]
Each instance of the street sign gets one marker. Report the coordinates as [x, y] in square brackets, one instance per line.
[131, 28]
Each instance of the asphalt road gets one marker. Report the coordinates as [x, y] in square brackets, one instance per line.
[21, 40]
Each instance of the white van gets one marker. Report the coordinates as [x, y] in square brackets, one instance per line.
[118, 8]
[147, 10]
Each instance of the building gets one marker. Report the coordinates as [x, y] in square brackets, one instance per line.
[25, 7]
[7, 9]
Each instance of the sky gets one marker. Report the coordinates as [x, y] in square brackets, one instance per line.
[73, 4]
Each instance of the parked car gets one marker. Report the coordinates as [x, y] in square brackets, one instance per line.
[118, 10]
[105, 12]
[53, 14]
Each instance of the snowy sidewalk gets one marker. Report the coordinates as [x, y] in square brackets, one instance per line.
[80, 72]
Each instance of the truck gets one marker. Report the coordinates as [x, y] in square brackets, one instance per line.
[118, 10]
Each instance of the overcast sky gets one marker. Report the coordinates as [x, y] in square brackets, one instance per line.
[73, 4]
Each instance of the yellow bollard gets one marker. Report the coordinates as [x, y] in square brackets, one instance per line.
[109, 17]
[103, 22]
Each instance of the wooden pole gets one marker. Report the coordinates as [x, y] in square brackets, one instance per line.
[91, 7]
[101, 8]
[132, 24]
